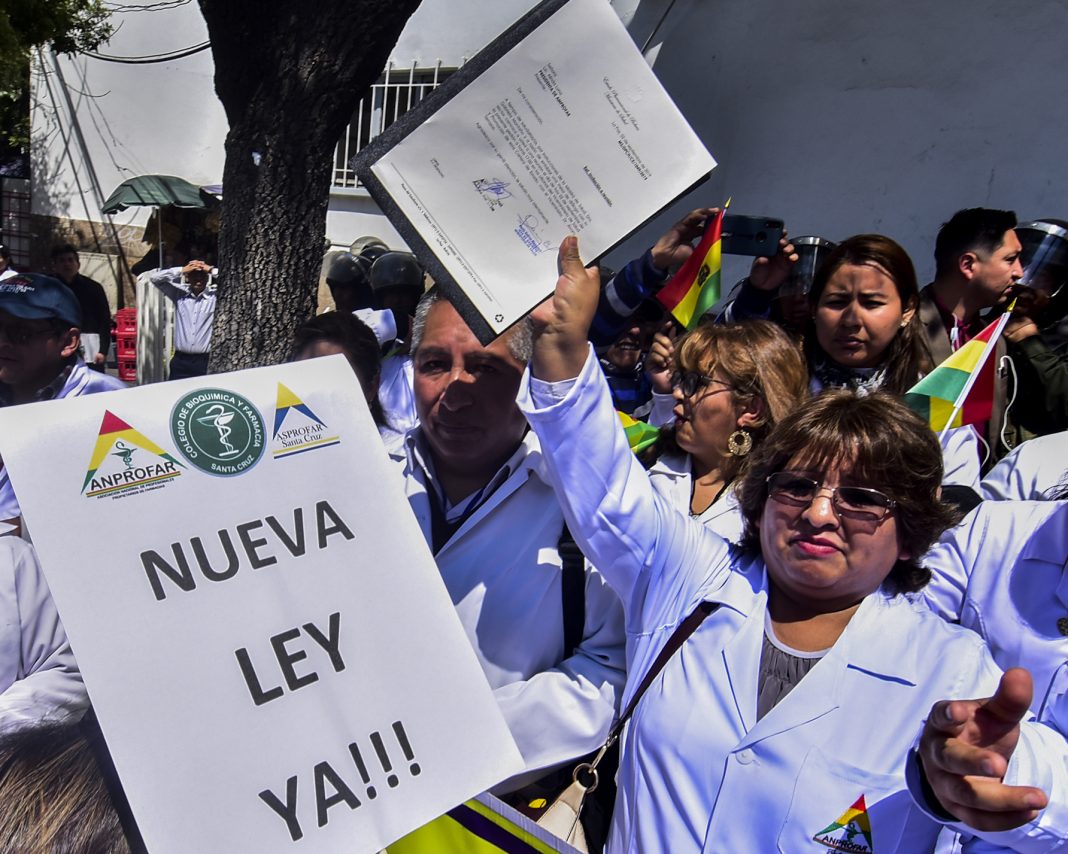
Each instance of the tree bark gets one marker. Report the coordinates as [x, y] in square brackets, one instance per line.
[289, 76]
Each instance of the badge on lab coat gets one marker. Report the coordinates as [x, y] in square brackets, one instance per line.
[851, 831]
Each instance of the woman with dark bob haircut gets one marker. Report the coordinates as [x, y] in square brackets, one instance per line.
[883, 443]
[801, 670]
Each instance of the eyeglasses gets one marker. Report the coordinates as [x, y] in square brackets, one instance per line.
[20, 334]
[852, 502]
[688, 382]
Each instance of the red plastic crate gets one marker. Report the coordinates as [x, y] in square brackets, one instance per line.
[126, 344]
[126, 321]
[128, 368]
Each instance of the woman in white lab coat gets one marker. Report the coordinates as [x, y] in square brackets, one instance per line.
[784, 721]
[731, 385]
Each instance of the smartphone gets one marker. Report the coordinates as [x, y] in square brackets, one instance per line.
[751, 235]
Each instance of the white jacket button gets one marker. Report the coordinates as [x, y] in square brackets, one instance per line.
[745, 757]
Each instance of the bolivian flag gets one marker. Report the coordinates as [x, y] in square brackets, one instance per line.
[960, 390]
[694, 289]
[639, 434]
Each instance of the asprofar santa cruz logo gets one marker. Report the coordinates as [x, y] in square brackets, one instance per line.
[296, 428]
[218, 431]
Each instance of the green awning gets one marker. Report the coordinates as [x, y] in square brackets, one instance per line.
[154, 191]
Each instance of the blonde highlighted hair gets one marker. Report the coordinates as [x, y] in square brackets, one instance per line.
[758, 359]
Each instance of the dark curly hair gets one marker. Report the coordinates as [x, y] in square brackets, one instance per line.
[887, 446]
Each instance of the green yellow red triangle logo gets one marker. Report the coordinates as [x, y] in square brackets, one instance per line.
[851, 831]
[287, 401]
[113, 429]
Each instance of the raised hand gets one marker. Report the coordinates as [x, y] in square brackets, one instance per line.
[660, 363]
[562, 322]
[675, 247]
[766, 274]
[966, 746]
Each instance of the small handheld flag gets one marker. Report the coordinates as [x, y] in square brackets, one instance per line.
[960, 390]
[694, 289]
[639, 434]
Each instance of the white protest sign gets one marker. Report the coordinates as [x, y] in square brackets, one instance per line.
[271, 652]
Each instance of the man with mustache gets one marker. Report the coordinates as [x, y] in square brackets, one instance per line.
[475, 480]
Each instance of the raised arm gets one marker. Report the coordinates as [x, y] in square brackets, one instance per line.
[641, 278]
[623, 526]
[169, 281]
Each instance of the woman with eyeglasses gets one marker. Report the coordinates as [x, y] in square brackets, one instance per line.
[783, 722]
[731, 385]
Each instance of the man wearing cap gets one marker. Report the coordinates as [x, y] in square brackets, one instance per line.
[194, 313]
[40, 343]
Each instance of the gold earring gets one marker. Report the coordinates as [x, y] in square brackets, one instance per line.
[740, 443]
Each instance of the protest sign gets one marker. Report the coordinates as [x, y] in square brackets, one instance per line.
[559, 127]
[268, 645]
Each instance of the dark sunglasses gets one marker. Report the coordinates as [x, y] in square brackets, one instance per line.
[688, 382]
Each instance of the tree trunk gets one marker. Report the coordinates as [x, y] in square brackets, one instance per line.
[289, 76]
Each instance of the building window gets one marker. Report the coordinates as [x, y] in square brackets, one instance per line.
[395, 92]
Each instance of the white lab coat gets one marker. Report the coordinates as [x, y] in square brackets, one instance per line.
[1032, 472]
[396, 393]
[39, 678]
[698, 771]
[960, 457]
[502, 571]
[672, 477]
[1003, 572]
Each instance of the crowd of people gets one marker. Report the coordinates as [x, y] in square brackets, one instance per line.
[832, 626]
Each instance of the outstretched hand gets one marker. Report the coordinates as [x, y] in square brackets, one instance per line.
[562, 322]
[966, 746]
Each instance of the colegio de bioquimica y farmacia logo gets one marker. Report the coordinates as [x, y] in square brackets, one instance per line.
[218, 431]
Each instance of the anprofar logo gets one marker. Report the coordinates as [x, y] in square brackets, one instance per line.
[126, 462]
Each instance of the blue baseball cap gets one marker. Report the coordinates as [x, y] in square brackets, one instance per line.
[33, 296]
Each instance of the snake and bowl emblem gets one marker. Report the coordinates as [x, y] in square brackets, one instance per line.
[218, 431]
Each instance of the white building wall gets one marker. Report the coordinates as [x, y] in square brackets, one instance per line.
[843, 117]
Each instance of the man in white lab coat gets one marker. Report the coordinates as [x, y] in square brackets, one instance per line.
[474, 478]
